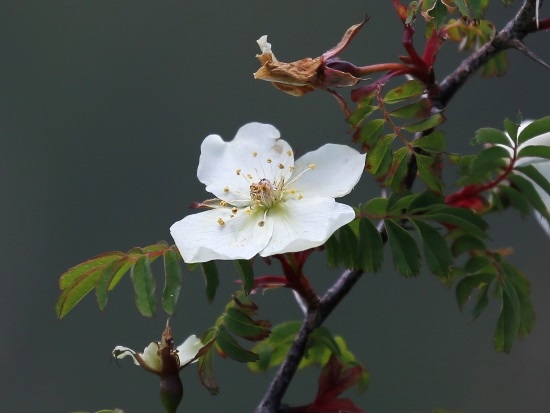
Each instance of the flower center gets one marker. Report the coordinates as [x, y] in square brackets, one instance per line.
[265, 193]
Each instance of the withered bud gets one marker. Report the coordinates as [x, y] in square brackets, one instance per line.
[303, 76]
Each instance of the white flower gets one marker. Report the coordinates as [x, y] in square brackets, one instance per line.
[156, 361]
[267, 203]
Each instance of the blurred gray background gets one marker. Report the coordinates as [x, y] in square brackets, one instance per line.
[103, 106]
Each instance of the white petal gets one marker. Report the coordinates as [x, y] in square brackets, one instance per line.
[337, 169]
[265, 47]
[120, 352]
[151, 358]
[201, 238]
[306, 223]
[189, 349]
[256, 151]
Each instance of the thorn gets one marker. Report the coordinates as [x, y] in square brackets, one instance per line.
[517, 44]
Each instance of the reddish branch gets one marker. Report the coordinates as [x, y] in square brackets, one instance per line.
[509, 37]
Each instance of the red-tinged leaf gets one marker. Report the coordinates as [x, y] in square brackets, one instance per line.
[68, 277]
[336, 378]
[206, 364]
[270, 281]
[76, 291]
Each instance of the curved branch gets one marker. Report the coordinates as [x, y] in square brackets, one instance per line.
[519, 27]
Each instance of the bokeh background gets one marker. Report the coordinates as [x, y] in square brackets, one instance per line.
[103, 106]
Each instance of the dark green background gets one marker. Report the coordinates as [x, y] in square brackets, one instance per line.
[103, 106]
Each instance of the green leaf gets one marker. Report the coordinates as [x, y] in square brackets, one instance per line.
[206, 364]
[434, 142]
[411, 88]
[533, 173]
[230, 348]
[379, 157]
[370, 131]
[539, 151]
[517, 199]
[375, 206]
[512, 129]
[172, 281]
[520, 283]
[527, 189]
[246, 273]
[430, 176]
[463, 218]
[418, 109]
[406, 256]
[508, 321]
[491, 136]
[244, 326]
[370, 249]
[466, 243]
[535, 128]
[272, 351]
[465, 286]
[496, 66]
[489, 160]
[212, 279]
[425, 124]
[424, 201]
[436, 252]
[348, 247]
[481, 304]
[399, 168]
[102, 285]
[477, 8]
[462, 8]
[144, 286]
[398, 204]
[364, 109]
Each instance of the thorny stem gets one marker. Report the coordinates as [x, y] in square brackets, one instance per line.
[519, 27]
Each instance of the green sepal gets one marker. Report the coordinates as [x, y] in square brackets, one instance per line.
[211, 278]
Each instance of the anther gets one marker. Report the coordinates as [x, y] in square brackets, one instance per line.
[221, 222]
